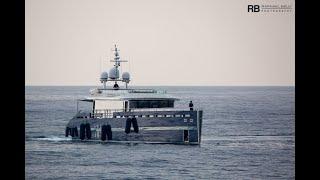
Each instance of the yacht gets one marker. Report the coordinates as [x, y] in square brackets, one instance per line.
[132, 115]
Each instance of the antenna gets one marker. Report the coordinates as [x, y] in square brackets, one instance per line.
[114, 74]
[100, 64]
[130, 65]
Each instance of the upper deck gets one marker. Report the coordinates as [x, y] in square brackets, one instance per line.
[107, 101]
[127, 94]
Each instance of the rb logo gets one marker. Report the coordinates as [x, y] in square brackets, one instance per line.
[253, 8]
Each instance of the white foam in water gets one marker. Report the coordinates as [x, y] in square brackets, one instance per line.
[55, 138]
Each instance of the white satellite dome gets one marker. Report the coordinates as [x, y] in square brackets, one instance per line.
[104, 76]
[114, 73]
[126, 76]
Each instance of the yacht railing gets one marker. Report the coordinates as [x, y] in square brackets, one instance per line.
[109, 113]
[105, 113]
[97, 91]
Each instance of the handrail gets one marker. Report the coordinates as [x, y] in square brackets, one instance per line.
[129, 90]
[147, 109]
[107, 113]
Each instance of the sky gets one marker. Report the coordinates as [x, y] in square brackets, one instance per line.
[167, 42]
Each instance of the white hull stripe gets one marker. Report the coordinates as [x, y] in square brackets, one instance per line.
[143, 142]
[155, 128]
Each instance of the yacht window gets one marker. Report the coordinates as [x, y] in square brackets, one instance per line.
[151, 103]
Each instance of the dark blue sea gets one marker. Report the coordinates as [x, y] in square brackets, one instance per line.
[248, 133]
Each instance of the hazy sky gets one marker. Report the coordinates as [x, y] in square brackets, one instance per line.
[168, 42]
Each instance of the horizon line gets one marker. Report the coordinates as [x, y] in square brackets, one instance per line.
[171, 85]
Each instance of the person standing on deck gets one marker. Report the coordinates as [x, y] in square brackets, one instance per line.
[116, 86]
[191, 106]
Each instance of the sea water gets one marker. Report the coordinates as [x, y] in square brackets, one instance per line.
[247, 133]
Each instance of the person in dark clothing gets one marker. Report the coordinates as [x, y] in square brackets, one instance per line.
[191, 106]
[116, 86]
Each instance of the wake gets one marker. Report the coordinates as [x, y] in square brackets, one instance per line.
[49, 138]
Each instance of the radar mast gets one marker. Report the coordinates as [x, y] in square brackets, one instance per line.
[114, 72]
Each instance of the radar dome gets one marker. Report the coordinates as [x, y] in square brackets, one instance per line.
[104, 76]
[126, 76]
[114, 73]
